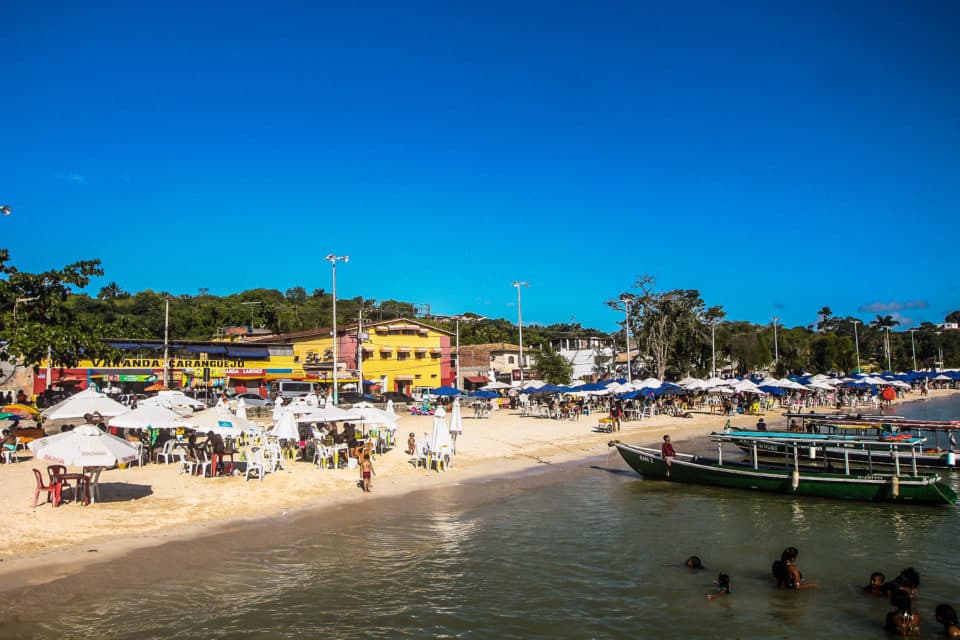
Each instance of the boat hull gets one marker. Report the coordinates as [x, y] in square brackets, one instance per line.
[870, 488]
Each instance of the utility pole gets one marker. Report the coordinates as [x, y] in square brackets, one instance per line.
[518, 284]
[332, 259]
[166, 341]
[776, 348]
[856, 342]
[360, 347]
[913, 348]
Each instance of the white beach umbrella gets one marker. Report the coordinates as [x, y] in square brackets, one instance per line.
[651, 383]
[278, 409]
[82, 404]
[389, 410]
[219, 420]
[695, 385]
[286, 427]
[85, 446]
[173, 399]
[145, 417]
[328, 414]
[715, 382]
[746, 386]
[369, 414]
[495, 385]
[685, 381]
[456, 419]
[786, 383]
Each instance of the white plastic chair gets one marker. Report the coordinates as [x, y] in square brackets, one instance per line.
[186, 466]
[273, 456]
[93, 484]
[166, 452]
[202, 464]
[256, 463]
[141, 454]
[323, 457]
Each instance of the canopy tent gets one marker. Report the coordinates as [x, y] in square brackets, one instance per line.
[145, 417]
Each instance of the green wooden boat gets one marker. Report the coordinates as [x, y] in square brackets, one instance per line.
[787, 479]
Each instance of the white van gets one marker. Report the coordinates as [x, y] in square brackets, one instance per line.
[296, 388]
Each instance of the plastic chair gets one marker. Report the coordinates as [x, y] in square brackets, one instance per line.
[93, 484]
[53, 488]
[256, 464]
[324, 457]
[10, 456]
[141, 453]
[186, 465]
[202, 464]
[167, 452]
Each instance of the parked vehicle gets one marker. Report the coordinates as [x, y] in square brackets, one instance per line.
[253, 400]
[296, 388]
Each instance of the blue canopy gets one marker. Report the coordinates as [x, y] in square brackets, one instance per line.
[480, 393]
[445, 391]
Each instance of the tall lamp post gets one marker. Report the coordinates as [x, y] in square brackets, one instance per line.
[856, 342]
[518, 284]
[913, 348]
[626, 327]
[889, 366]
[940, 350]
[776, 348]
[332, 259]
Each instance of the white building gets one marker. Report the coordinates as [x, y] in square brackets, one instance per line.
[589, 356]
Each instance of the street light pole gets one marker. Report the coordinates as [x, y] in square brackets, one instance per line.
[776, 348]
[713, 350]
[913, 348]
[856, 342]
[166, 342]
[940, 350]
[626, 327]
[332, 259]
[889, 366]
[518, 284]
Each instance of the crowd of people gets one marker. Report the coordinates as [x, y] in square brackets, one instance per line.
[902, 592]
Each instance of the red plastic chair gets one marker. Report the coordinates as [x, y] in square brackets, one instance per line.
[52, 488]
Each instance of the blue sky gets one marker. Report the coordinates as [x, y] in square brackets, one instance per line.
[776, 156]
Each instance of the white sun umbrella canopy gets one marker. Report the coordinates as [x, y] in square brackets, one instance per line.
[83, 404]
[746, 386]
[369, 414]
[495, 385]
[651, 383]
[172, 399]
[85, 446]
[219, 420]
[286, 427]
[145, 417]
[329, 414]
[695, 385]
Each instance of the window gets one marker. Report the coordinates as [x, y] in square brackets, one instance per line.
[510, 360]
[402, 355]
[418, 376]
[419, 355]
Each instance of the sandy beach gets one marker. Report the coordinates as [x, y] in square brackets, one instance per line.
[153, 505]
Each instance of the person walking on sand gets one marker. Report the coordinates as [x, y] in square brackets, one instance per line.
[668, 453]
[366, 471]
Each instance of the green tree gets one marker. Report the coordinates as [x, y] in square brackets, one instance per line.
[34, 316]
[553, 367]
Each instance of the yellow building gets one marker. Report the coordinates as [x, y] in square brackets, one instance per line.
[393, 355]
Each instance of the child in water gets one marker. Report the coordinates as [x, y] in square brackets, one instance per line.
[723, 587]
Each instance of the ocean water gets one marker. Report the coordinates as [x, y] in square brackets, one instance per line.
[587, 550]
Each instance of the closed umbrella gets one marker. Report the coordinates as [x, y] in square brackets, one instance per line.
[85, 446]
[286, 427]
[456, 420]
[441, 433]
[241, 409]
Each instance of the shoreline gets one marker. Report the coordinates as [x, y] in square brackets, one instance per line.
[504, 447]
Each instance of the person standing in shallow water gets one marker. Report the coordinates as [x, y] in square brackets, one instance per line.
[668, 453]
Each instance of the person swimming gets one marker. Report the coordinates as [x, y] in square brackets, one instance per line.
[903, 620]
[947, 616]
[876, 586]
[723, 586]
[693, 562]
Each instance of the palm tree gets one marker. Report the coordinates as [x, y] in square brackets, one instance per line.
[111, 292]
[825, 314]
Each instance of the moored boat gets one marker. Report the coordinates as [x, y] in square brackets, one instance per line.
[787, 479]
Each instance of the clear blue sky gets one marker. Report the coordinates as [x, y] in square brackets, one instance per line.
[776, 156]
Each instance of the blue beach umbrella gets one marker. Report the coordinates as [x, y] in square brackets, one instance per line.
[445, 391]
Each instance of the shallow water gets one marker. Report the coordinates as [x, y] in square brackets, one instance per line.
[582, 551]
